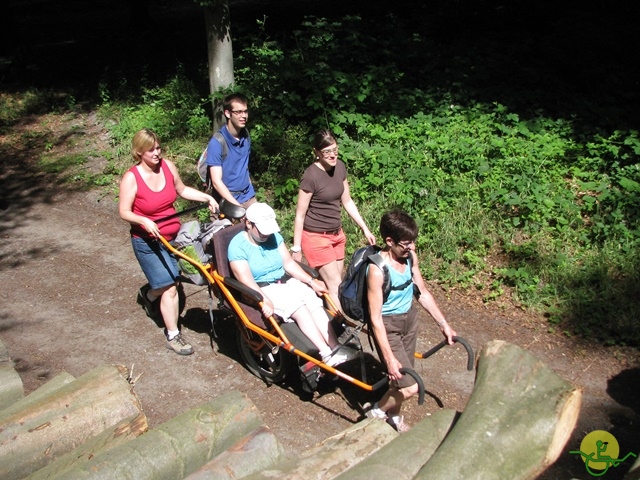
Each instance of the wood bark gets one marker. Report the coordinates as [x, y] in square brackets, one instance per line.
[61, 421]
[55, 383]
[178, 447]
[255, 452]
[220, 54]
[516, 422]
[110, 438]
[402, 458]
[11, 388]
[335, 455]
[634, 471]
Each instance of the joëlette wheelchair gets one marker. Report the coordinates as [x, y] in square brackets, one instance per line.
[270, 348]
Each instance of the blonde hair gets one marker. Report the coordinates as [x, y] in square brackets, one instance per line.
[142, 141]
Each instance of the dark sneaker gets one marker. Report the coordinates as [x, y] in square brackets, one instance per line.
[179, 345]
[152, 309]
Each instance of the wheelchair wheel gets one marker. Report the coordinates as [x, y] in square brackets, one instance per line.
[259, 358]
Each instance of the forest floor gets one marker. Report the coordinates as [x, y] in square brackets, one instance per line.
[69, 282]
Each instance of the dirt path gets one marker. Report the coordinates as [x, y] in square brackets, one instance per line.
[68, 304]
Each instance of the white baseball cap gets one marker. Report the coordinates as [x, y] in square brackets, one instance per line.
[264, 218]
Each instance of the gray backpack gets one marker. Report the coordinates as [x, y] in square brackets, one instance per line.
[203, 168]
[194, 240]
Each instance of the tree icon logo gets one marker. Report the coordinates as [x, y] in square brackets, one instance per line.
[599, 451]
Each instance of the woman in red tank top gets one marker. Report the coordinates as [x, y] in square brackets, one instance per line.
[147, 192]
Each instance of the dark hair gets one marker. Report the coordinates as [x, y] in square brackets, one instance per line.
[323, 138]
[234, 97]
[399, 226]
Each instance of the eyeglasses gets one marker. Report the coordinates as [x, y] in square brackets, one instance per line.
[406, 244]
[327, 152]
[239, 112]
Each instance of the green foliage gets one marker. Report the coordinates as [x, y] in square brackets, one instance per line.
[506, 201]
[174, 111]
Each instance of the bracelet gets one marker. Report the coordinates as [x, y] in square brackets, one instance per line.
[295, 249]
[440, 324]
[310, 282]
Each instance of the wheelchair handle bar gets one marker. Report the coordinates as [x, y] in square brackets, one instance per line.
[407, 371]
[227, 209]
[444, 343]
[200, 206]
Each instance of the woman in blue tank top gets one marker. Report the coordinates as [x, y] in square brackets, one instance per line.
[394, 320]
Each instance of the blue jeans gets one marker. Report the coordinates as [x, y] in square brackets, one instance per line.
[158, 264]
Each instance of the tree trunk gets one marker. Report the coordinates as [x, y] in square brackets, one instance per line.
[253, 453]
[110, 438]
[52, 385]
[634, 471]
[11, 389]
[178, 447]
[61, 421]
[516, 422]
[335, 455]
[402, 458]
[220, 54]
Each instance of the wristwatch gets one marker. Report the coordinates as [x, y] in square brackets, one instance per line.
[295, 249]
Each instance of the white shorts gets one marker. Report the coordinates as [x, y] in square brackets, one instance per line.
[288, 297]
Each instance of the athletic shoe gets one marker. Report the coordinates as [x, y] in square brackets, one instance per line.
[399, 424]
[369, 412]
[179, 345]
[152, 309]
[337, 359]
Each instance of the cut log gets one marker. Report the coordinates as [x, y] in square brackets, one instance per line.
[516, 422]
[178, 447]
[110, 438]
[11, 388]
[634, 471]
[402, 458]
[61, 421]
[55, 383]
[253, 453]
[335, 455]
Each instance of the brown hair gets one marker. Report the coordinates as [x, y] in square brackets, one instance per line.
[399, 226]
[323, 138]
[234, 97]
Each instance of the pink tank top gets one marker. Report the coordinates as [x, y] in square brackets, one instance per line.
[153, 205]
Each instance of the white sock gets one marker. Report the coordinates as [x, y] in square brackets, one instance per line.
[150, 297]
[325, 354]
[171, 334]
[396, 419]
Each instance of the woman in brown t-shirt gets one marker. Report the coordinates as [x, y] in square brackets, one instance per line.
[318, 229]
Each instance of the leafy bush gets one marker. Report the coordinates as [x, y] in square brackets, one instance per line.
[506, 201]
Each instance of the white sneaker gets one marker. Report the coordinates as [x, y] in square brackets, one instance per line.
[399, 425]
[343, 354]
[337, 359]
[370, 411]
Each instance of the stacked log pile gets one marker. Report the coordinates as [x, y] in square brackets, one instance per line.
[517, 421]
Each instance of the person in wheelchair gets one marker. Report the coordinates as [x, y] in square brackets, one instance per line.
[394, 320]
[259, 258]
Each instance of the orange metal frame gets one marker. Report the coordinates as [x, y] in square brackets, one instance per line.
[214, 278]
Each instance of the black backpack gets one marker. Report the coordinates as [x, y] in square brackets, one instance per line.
[352, 291]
